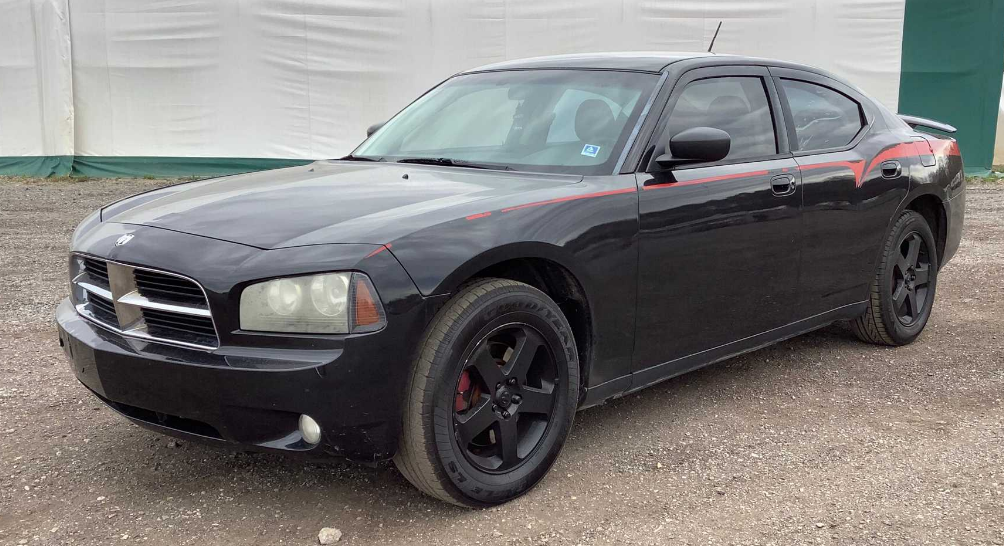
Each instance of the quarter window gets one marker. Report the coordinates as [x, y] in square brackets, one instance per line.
[823, 118]
[737, 105]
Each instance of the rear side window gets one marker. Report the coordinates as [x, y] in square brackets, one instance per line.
[823, 118]
[737, 105]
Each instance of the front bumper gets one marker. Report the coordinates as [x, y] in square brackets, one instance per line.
[251, 390]
[248, 398]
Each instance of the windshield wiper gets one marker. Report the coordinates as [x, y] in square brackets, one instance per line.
[351, 157]
[447, 162]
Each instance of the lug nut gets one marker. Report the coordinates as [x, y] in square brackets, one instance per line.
[512, 380]
[516, 399]
[495, 407]
[498, 386]
[506, 414]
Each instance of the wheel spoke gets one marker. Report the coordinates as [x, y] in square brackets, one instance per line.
[537, 400]
[923, 274]
[487, 367]
[899, 296]
[912, 249]
[508, 440]
[522, 355]
[901, 265]
[475, 421]
[914, 307]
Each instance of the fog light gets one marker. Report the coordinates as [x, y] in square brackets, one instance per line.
[310, 430]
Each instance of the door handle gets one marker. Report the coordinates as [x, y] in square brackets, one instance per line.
[782, 184]
[891, 169]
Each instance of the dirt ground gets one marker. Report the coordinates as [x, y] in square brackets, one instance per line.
[820, 439]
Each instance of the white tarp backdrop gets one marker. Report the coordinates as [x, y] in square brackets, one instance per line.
[304, 78]
[36, 94]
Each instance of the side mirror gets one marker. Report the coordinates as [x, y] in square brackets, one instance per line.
[374, 128]
[697, 144]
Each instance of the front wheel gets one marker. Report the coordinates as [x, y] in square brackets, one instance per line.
[492, 395]
[902, 292]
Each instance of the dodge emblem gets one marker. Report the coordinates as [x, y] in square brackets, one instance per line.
[124, 239]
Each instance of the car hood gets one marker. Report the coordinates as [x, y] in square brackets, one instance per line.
[324, 202]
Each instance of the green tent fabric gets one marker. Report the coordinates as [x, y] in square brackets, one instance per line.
[174, 167]
[953, 62]
[42, 166]
[138, 167]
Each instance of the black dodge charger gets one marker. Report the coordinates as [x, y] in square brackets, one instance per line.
[524, 240]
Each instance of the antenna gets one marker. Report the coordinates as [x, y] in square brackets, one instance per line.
[715, 36]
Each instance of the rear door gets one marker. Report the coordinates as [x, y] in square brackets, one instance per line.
[854, 174]
[719, 242]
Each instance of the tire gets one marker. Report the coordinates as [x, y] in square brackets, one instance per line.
[476, 336]
[902, 292]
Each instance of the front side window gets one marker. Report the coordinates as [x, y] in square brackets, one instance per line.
[737, 105]
[823, 118]
[567, 121]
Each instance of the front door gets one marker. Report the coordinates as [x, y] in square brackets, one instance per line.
[719, 242]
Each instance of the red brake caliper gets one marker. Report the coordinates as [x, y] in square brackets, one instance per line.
[463, 398]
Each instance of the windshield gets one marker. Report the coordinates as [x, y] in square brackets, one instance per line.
[566, 121]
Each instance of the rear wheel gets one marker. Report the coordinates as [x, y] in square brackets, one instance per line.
[492, 395]
[902, 292]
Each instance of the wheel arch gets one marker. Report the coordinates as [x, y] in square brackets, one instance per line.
[547, 268]
[932, 207]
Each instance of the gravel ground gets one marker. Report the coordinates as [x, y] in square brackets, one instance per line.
[820, 439]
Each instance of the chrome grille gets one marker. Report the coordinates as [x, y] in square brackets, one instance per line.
[164, 324]
[143, 303]
[98, 271]
[103, 308]
[156, 285]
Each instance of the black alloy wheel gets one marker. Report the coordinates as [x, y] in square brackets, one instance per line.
[911, 275]
[902, 292]
[505, 398]
[492, 395]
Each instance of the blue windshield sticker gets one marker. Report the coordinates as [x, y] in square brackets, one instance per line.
[591, 150]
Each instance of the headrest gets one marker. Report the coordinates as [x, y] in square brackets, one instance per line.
[593, 121]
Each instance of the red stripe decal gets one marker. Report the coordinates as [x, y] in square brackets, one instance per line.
[945, 147]
[856, 166]
[480, 215]
[703, 180]
[379, 250]
[570, 198]
[899, 151]
[903, 150]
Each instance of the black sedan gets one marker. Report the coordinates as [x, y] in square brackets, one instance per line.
[524, 240]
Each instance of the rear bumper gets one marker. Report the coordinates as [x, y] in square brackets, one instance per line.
[956, 213]
[248, 397]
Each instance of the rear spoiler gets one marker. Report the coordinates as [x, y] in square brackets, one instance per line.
[914, 122]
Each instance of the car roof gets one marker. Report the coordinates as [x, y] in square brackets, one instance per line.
[649, 61]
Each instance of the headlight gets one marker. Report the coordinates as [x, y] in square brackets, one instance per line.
[332, 303]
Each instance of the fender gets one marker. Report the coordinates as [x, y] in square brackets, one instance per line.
[511, 251]
[574, 277]
[941, 230]
[936, 181]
